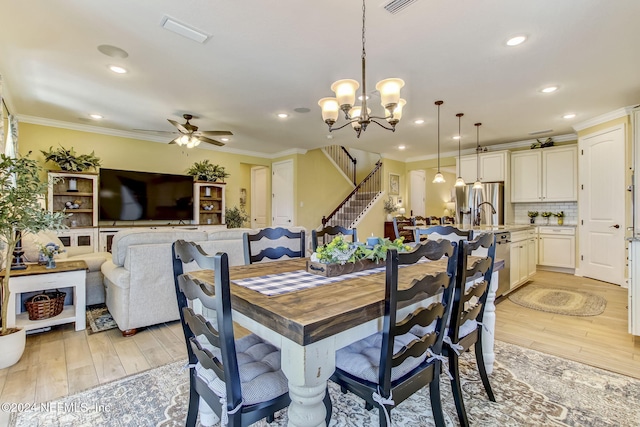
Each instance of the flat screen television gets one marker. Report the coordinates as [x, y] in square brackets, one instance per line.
[144, 196]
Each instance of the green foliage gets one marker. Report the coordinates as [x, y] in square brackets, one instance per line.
[206, 171]
[339, 251]
[20, 211]
[532, 214]
[235, 217]
[389, 206]
[546, 214]
[559, 214]
[69, 160]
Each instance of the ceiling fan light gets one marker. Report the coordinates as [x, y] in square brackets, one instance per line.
[345, 91]
[389, 91]
[460, 182]
[184, 139]
[196, 141]
[330, 109]
[438, 179]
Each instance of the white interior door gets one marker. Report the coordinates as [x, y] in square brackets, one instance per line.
[259, 193]
[601, 205]
[417, 188]
[282, 194]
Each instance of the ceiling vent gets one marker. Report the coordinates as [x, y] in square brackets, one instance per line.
[396, 6]
[184, 30]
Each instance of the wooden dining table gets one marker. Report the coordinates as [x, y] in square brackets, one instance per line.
[310, 325]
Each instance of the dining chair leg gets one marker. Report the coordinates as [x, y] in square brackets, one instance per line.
[327, 406]
[436, 401]
[456, 388]
[194, 401]
[368, 406]
[483, 370]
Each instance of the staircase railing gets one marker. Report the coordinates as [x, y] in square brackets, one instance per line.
[357, 201]
[345, 161]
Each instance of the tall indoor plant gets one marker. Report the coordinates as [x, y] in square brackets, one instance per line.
[20, 212]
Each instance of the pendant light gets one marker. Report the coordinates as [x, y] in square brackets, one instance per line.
[459, 182]
[438, 179]
[478, 184]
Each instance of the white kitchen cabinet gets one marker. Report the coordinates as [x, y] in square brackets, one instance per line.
[545, 175]
[493, 167]
[522, 257]
[557, 247]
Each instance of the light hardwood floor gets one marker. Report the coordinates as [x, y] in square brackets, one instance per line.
[601, 341]
[63, 361]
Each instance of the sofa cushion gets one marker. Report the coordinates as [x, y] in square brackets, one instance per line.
[227, 234]
[31, 242]
[124, 238]
[94, 260]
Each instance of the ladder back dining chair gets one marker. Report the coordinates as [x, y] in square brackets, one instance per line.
[328, 233]
[273, 244]
[466, 328]
[446, 232]
[399, 224]
[386, 368]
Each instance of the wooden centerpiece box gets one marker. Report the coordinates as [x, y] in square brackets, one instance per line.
[332, 270]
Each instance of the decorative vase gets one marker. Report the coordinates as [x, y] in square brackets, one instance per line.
[389, 217]
[12, 348]
[560, 220]
[51, 263]
[532, 220]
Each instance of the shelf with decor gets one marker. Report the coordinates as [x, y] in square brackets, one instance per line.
[208, 203]
[68, 190]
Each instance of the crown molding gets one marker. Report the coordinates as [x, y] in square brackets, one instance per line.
[603, 118]
[153, 138]
[495, 147]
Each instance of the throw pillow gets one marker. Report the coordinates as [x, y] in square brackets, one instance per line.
[31, 242]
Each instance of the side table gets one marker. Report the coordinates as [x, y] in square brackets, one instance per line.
[38, 278]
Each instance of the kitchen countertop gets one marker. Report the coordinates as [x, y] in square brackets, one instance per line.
[495, 228]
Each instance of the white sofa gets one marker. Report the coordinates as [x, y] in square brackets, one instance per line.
[139, 277]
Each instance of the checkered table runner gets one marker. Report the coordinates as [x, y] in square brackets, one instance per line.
[281, 283]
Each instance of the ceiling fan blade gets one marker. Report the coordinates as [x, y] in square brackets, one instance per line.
[164, 132]
[215, 133]
[175, 141]
[210, 141]
[180, 127]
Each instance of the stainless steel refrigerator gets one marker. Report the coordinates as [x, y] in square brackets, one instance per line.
[485, 204]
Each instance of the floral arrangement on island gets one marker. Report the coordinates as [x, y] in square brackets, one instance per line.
[339, 251]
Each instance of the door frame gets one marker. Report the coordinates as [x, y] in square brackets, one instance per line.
[582, 240]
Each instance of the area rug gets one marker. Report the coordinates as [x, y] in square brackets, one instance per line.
[99, 319]
[565, 301]
[531, 388]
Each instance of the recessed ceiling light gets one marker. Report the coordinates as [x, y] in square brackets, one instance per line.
[456, 137]
[515, 41]
[401, 147]
[95, 116]
[283, 115]
[224, 139]
[569, 116]
[117, 69]
[418, 122]
[549, 89]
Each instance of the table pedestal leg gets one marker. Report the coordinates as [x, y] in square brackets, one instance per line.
[489, 321]
[308, 380]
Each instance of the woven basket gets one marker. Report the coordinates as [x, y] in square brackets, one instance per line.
[45, 305]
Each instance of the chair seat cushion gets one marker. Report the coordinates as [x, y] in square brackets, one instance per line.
[259, 368]
[467, 327]
[362, 358]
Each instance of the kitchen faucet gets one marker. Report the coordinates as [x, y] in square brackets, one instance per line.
[477, 221]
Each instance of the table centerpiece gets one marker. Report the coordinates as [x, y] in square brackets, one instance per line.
[341, 257]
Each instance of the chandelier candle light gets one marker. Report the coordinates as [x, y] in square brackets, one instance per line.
[459, 182]
[359, 116]
[438, 179]
[478, 184]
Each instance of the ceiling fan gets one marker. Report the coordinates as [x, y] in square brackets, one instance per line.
[192, 137]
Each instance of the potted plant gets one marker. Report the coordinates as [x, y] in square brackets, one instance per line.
[70, 161]
[206, 171]
[389, 208]
[532, 215]
[560, 216]
[20, 212]
[235, 217]
[546, 215]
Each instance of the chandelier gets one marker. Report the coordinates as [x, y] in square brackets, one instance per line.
[359, 116]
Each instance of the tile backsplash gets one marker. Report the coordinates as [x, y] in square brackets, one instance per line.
[570, 210]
